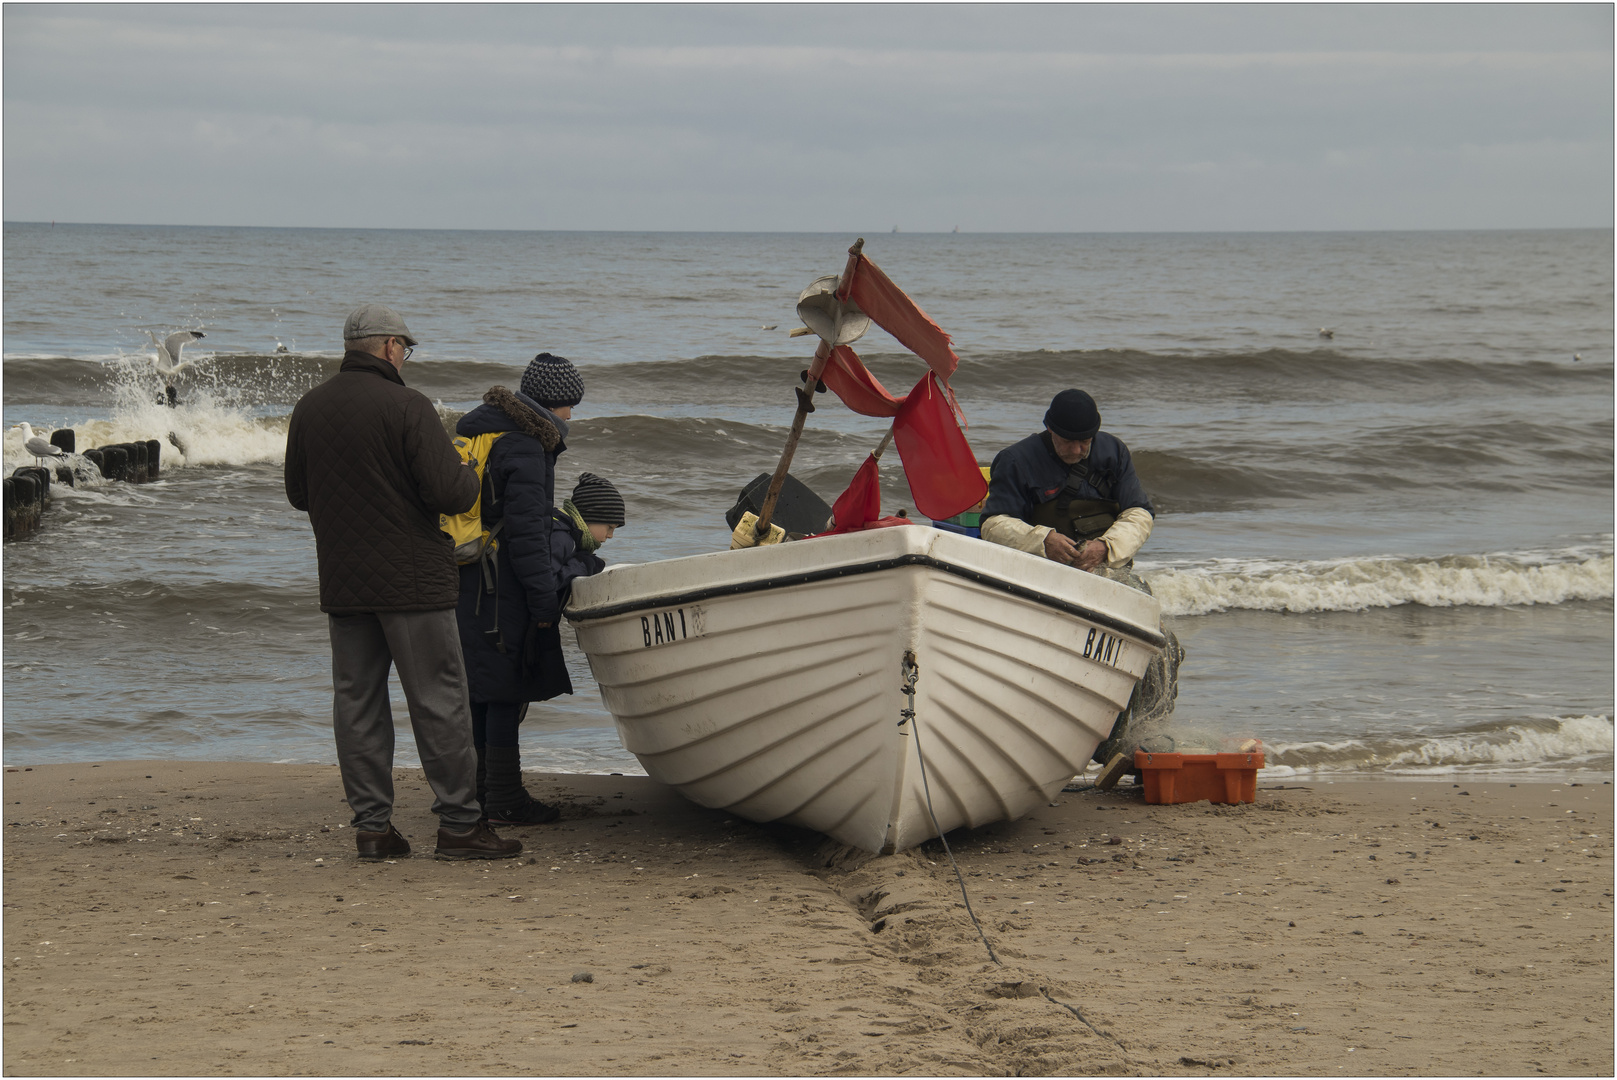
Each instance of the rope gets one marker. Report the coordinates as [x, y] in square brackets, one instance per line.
[912, 672]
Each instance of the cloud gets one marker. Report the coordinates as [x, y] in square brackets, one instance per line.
[1011, 118]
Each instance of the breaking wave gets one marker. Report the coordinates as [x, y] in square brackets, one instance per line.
[1546, 744]
[1360, 584]
[201, 431]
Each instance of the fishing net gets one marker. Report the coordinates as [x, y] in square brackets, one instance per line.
[1152, 702]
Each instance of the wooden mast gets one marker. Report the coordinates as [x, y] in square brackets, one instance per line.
[805, 403]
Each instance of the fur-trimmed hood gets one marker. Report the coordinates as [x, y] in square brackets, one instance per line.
[509, 410]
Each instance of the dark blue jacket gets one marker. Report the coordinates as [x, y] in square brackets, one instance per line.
[508, 657]
[1028, 473]
[568, 558]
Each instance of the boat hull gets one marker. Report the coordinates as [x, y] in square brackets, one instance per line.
[768, 682]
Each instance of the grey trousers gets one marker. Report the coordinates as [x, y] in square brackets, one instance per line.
[425, 647]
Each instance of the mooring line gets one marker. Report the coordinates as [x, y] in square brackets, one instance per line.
[912, 671]
[1083, 1019]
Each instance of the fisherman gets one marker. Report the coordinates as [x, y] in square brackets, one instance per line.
[369, 459]
[1070, 494]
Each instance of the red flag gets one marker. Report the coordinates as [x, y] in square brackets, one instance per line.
[897, 314]
[846, 375]
[938, 461]
[861, 503]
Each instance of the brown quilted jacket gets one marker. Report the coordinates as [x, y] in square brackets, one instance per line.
[370, 461]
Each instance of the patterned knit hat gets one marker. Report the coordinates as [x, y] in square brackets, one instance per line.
[552, 381]
[598, 501]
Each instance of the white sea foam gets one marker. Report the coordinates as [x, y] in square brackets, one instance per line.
[200, 431]
[1531, 745]
[1358, 584]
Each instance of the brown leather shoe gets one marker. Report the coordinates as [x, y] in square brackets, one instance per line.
[478, 842]
[382, 845]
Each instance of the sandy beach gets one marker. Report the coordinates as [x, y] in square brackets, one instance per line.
[197, 918]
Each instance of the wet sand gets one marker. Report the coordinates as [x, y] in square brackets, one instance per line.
[200, 918]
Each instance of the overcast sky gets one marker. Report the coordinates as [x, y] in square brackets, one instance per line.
[812, 117]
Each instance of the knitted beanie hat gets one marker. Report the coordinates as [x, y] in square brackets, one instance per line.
[1073, 415]
[598, 501]
[552, 381]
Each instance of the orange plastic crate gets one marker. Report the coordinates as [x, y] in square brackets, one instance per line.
[1182, 778]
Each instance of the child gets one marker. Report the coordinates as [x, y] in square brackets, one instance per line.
[583, 524]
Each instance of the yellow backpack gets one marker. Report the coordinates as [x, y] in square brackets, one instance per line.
[472, 540]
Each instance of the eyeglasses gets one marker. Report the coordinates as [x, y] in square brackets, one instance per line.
[408, 349]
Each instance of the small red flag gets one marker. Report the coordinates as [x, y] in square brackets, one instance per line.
[861, 503]
[896, 313]
[938, 461]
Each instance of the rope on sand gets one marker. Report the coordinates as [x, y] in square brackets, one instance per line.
[912, 672]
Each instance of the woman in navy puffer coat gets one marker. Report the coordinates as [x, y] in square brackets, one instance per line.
[509, 634]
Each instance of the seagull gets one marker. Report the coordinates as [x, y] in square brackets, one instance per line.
[169, 348]
[280, 348]
[1326, 334]
[771, 326]
[1576, 357]
[40, 448]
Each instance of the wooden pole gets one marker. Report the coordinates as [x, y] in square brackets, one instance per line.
[805, 405]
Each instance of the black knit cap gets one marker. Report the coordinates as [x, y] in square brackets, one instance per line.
[1073, 415]
[598, 501]
[552, 381]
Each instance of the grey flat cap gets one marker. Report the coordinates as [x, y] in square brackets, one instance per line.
[376, 320]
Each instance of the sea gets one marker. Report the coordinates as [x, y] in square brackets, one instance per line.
[1382, 463]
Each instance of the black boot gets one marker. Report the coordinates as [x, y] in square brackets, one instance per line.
[482, 779]
[508, 802]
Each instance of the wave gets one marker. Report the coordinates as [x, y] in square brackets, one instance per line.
[34, 606]
[1390, 581]
[1256, 375]
[1543, 744]
[1261, 375]
[246, 378]
[200, 431]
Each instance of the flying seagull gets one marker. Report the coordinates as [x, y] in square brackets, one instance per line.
[169, 349]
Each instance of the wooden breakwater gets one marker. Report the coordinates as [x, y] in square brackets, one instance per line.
[28, 488]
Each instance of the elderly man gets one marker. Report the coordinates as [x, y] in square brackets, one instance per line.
[1069, 493]
[370, 461]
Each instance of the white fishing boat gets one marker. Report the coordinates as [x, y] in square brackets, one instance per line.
[774, 682]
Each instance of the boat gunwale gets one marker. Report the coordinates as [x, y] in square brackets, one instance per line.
[831, 573]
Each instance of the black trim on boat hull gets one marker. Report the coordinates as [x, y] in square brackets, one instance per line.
[607, 611]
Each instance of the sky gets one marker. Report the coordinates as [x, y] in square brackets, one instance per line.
[817, 117]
